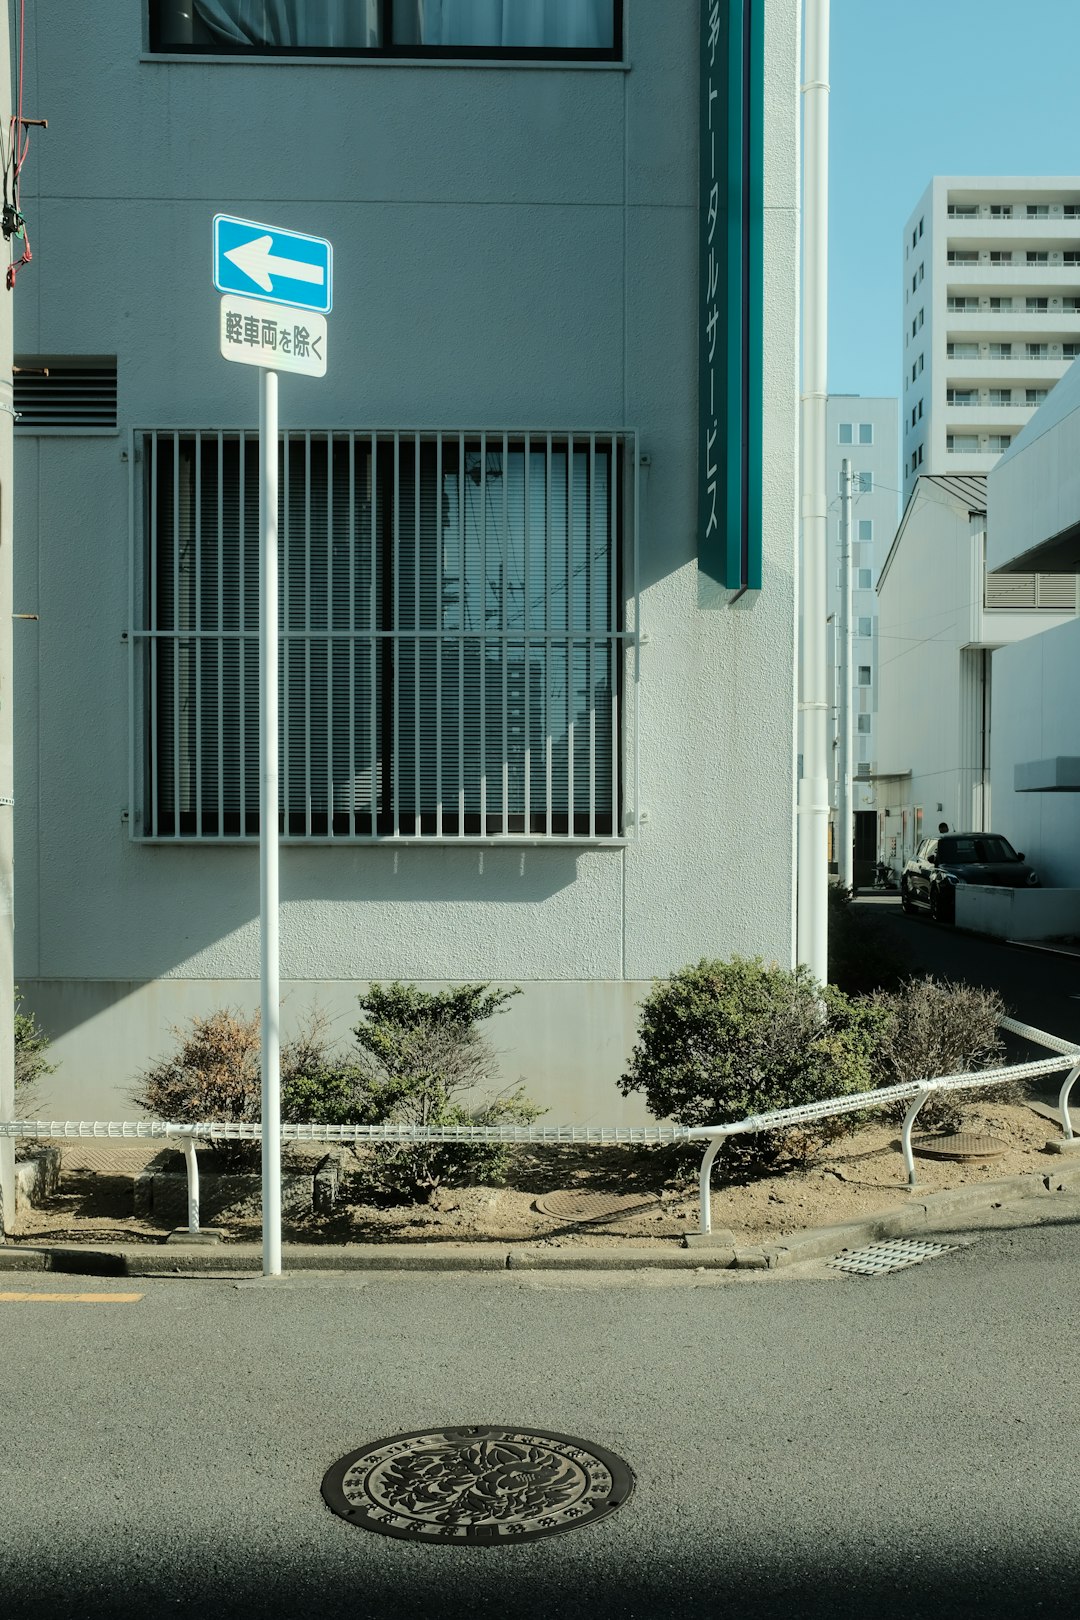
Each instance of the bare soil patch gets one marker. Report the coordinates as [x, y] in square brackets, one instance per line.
[859, 1175]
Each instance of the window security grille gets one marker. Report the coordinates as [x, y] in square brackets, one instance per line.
[346, 28]
[450, 635]
[64, 393]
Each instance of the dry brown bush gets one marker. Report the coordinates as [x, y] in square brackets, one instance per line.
[937, 1027]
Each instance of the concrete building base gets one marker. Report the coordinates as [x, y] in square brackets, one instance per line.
[567, 1041]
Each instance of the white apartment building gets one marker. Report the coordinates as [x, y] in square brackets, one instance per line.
[861, 430]
[991, 315]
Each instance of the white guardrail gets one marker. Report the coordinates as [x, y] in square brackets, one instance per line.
[915, 1092]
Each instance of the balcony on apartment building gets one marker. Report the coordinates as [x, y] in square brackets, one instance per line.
[1018, 276]
[1048, 224]
[975, 397]
[1008, 364]
[989, 414]
[1018, 290]
[976, 449]
[1013, 319]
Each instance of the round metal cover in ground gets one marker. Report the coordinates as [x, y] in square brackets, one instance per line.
[477, 1486]
[960, 1145]
[592, 1206]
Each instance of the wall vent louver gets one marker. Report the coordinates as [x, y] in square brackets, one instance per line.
[1031, 591]
[65, 392]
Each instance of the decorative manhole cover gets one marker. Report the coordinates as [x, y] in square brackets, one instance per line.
[592, 1206]
[894, 1256]
[961, 1145]
[478, 1485]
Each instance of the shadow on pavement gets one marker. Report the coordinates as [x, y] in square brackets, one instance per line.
[532, 1583]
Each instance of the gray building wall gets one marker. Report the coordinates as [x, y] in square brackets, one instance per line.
[514, 247]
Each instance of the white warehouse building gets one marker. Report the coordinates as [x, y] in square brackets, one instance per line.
[531, 733]
[1034, 524]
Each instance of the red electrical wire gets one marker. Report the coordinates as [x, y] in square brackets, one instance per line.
[17, 264]
[20, 148]
[20, 142]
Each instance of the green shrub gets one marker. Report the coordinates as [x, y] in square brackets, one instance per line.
[724, 1040]
[31, 1062]
[318, 1084]
[421, 1055]
[933, 1026]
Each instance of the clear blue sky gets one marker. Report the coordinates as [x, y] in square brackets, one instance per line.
[925, 87]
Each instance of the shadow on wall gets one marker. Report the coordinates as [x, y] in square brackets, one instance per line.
[193, 920]
[519, 876]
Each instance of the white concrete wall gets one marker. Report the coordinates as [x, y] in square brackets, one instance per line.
[1019, 913]
[513, 247]
[918, 388]
[1033, 494]
[931, 627]
[924, 615]
[1036, 717]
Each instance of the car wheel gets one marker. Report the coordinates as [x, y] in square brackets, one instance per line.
[905, 899]
[935, 904]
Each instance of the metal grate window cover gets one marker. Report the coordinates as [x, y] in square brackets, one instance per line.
[451, 634]
[882, 1257]
[65, 392]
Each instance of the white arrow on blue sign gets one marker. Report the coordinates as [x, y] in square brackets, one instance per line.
[264, 261]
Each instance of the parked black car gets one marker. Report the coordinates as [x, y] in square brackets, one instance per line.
[939, 864]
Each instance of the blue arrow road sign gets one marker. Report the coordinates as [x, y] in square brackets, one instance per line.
[264, 261]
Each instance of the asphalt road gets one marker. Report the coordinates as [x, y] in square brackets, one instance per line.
[829, 1446]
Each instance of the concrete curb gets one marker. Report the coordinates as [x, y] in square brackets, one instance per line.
[922, 1213]
[716, 1252]
[175, 1260]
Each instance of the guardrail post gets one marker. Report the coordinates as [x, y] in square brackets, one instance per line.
[905, 1134]
[704, 1183]
[192, 1159]
[1063, 1102]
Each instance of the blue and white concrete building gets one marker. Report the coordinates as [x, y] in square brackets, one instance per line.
[525, 736]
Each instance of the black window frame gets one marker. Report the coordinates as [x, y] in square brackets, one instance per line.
[420, 53]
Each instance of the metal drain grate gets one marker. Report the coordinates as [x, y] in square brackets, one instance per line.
[882, 1257]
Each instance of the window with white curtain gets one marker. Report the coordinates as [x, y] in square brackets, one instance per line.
[450, 636]
[360, 27]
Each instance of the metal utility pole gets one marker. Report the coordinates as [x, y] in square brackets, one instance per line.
[296, 271]
[7, 813]
[813, 806]
[845, 809]
[269, 966]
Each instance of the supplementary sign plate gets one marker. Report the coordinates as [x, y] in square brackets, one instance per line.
[258, 334]
[264, 261]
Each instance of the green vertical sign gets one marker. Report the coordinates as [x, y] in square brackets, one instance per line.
[731, 130]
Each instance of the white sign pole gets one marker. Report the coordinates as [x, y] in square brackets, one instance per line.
[268, 822]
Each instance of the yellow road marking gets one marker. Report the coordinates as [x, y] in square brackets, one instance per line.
[77, 1299]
